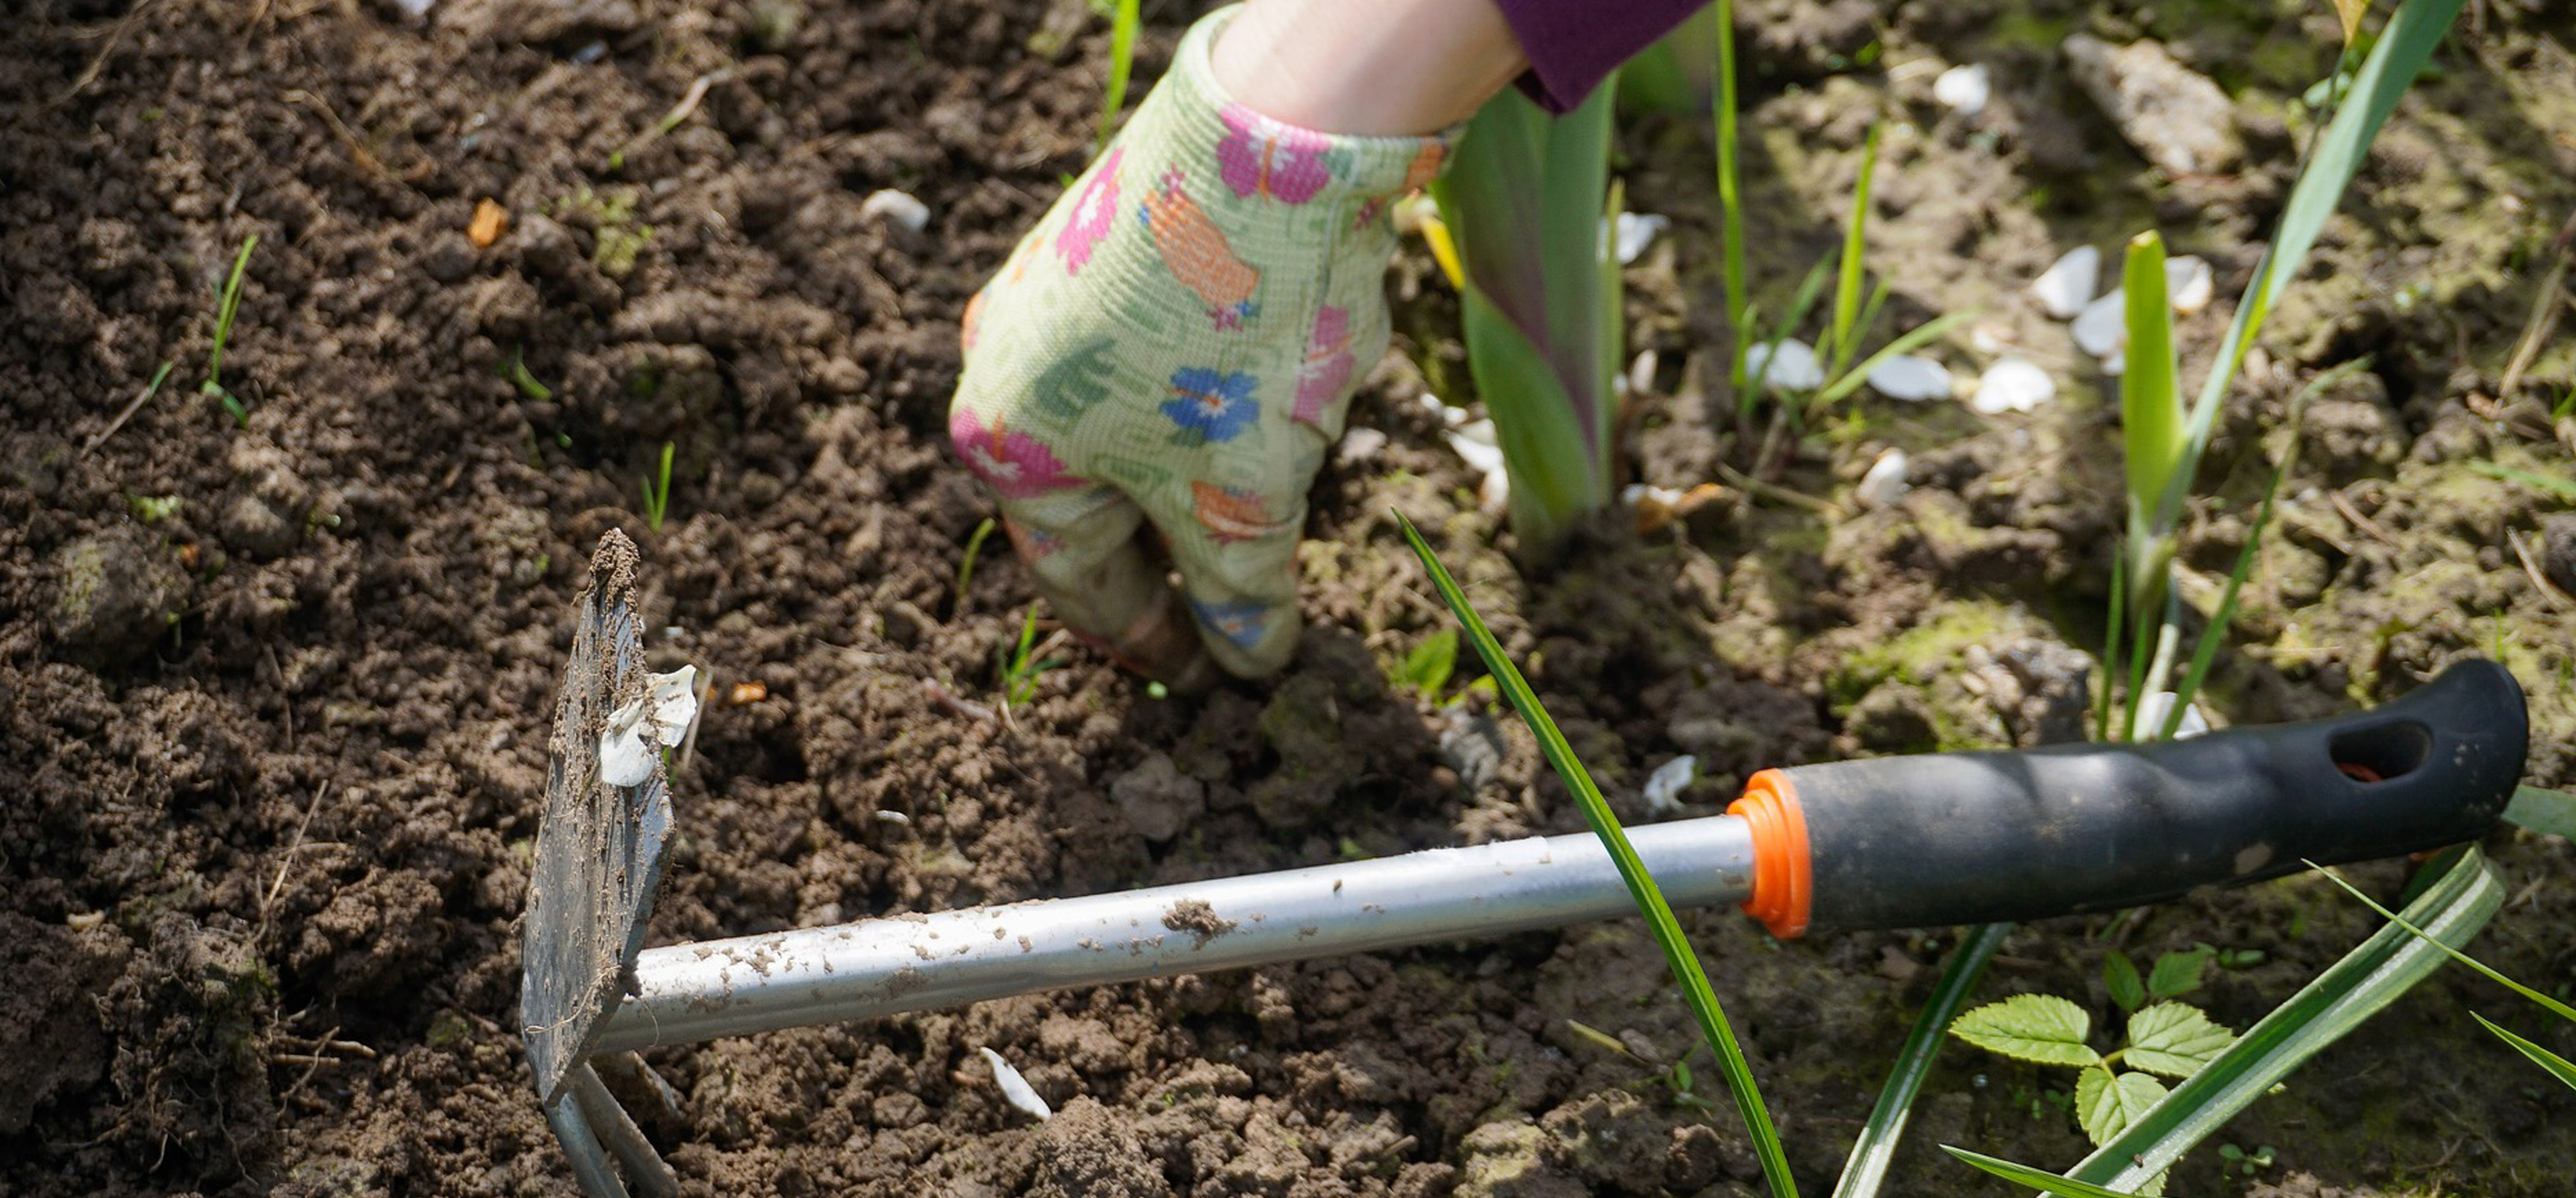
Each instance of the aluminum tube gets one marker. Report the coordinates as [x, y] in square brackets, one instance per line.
[692, 992]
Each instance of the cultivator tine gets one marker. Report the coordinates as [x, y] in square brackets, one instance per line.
[599, 856]
[609, 1121]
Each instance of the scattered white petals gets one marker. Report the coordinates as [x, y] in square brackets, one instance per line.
[1359, 445]
[417, 8]
[1964, 89]
[1637, 230]
[1664, 786]
[2102, 328]
[1495, 496]
[2188, 283]
[1989, 338]
[899, 207]
[887, 815]
[2065, 287]
[2117, 364]
[1480, 431]
[2152, 713]
[1909, 377]
[2012, 385]
[1015, 1088]
[1786, 365]
[643, 726]
[590, 52]
[1637, 493]
[1641, 372]
[1885, 483]
[1482, 458]
[1451, 416]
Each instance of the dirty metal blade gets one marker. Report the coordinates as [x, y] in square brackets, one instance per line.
[599, 847]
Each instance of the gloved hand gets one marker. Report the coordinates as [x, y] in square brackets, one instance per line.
[1175, 344]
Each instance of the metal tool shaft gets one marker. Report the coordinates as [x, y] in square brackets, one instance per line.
[874, 967]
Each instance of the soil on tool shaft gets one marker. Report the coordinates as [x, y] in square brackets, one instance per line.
[274, 687]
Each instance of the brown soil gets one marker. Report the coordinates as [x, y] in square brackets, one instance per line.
[275, 689]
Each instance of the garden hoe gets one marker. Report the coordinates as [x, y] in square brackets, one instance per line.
[1920, 841]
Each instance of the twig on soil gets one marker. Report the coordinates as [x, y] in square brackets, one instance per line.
[98, 63]
[140, 398]
[2545, 309]
[1778, 494]
[689, 101]
[2539, 580]
[291, 848]
[2353, 516]
[366, 158]
[942, 696]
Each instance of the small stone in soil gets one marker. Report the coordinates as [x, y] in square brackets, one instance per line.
[114, 593]
[2558, 550]
[2177, 118]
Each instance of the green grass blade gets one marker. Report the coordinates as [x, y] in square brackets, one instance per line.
[2350, 991]
[1866, 1169]
[2151, 421]
[1641, 887]
[2548, 812]
[2111, 648]
[1122, 61]
[1810, 289]
[1913, 339]
[1730, 192]
[2554, 1063]
[966, 567]
[225, 308]
[2560, 487]
[1847, 286]
[2404, 46]
[2025, 1175]
[2553, 1006]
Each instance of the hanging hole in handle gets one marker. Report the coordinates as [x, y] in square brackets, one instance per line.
[2381, 752]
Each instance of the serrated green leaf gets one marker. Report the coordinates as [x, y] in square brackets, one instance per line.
[2032, 1027]
[2120, 976]
[2106, 1104]
[2178, 974]
[2546, 1059]
[2175, 1039]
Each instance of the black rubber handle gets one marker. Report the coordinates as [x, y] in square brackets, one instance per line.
[1979, 837]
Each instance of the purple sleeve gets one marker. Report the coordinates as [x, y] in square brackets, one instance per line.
[1573, 44]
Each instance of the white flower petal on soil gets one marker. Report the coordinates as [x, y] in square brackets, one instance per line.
[1791, 366]
[1909, 377]
[2117, 364]
[2188, 283]
[1015, 1088]
[1664, 786]
[1964, 89]
[2102, 328]
[641, 727]
[1482, 458]
[1480, 431]
[1440, 408]
[897, 206]
[1637, 493]
[1495, 495]
[2067, 285]
[417, 8]
[1641, 372]
[1637, 230]
[1885, 483]
[2152, 713]
[2012, 385]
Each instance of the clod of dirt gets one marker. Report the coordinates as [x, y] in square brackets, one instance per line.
[1198, 919]
[1303, 725]
[114, 592]
[255, 529]
[546, 21]
[1507, 1159]
[2351, 430]
[49, 1030]
[2558, 550]
[2175, 116]
[1084, 1152]
[1157, 798]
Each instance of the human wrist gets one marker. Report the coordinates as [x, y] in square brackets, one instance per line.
[1367, 67]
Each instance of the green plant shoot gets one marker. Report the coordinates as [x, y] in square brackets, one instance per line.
[657, 492]
[1526, 202]
[1678, 955]
[225, 309]
[1123, 21]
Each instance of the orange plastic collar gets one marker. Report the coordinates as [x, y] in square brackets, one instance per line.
[1781, 866]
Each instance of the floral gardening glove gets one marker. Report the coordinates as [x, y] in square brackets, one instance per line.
[1176, 343]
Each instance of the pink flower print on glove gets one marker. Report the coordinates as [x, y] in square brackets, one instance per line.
[1093, 213]
[1260, 155]
[1016, 465]
[1326, 372]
